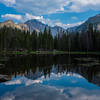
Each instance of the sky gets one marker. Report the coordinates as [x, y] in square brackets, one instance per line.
[64, 13]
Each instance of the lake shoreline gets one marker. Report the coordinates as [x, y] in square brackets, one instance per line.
[48, 53]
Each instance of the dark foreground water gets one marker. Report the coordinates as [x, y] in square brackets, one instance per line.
[59, 77]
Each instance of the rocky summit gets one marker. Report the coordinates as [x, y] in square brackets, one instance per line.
[11, 24]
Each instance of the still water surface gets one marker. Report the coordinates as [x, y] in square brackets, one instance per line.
[50, 77]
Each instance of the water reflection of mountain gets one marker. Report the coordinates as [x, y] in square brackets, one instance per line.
[34, 67]
[34, 76]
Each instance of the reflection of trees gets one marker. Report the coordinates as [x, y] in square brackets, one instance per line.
[35, 66]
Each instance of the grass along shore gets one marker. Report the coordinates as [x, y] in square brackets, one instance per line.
[47, 52]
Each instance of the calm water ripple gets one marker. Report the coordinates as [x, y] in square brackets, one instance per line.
[50, 77]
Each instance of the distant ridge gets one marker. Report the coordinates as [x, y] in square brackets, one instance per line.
[31, 25]
[34, 24]
[11, 24]
[39, 26]
[95, 20]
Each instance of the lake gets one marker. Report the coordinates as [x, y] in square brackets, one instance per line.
[50, 77]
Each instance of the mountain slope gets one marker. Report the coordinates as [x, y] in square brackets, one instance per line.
[38, 26]
[11, 24]
[95, 20]
[35, 25]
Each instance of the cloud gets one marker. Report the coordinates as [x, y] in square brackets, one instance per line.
[68, 25]
[83, 5]
[25, 17]
[37, 7]
[8, 2]
[74, 24]
[12, 16]
[13, 82]
[39, 92]
[74, 75]
[41, 19]
[11, 97]
[35, 92]
[25, 81]
[56, 91]
[29, 16]
[57, 22]
[40, 7]
[48, 21]
[81, 94]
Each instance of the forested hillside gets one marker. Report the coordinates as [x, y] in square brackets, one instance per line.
[14, 39]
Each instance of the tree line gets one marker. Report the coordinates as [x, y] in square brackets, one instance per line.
[14, 39]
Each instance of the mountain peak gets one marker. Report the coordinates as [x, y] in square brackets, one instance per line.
[98, 15]
[39, 26]
[35, 21]
[24, 26]
[95, 20]
[10, 23]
